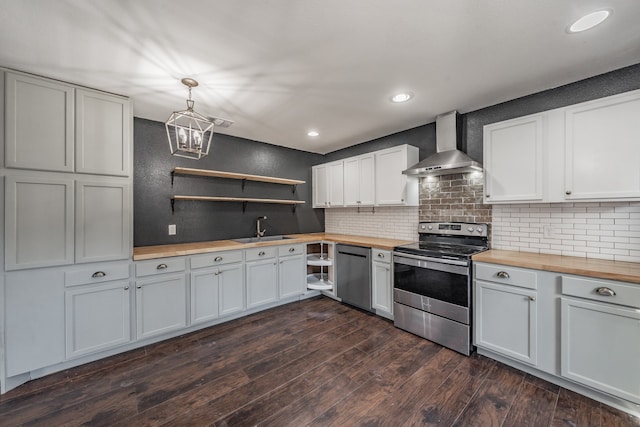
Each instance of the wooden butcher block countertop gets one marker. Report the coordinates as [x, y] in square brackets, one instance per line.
[603, 269]
[181, 249]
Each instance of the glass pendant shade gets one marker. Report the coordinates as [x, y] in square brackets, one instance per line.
[189, 132]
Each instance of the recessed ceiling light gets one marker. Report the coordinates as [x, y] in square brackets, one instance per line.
[589, 21]
[401, 97]
[313, 133]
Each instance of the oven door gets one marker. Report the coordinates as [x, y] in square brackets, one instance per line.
[434, 285]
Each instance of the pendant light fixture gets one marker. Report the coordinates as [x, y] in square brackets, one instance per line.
[189, 132]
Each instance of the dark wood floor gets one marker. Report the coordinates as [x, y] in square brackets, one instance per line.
[316, 362]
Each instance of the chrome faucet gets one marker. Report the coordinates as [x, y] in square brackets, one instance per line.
[259, 232]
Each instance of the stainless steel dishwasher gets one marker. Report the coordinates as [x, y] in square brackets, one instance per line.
[354, 275]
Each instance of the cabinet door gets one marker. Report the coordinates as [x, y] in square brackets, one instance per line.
[601, 347]
[367, 180]
[232, 294]
[103, 133]
[382, 288]
[602, 143]
[513, 160]
[352, 182]
[506, 319]
[262, 282]
[38, 222]
[320, 186]
[336, 184]
[39, 123]
[392, 187]
[103, 217]
[292, 276]
[34, 320]
[204, 295]
[161, 305]
[97, 317]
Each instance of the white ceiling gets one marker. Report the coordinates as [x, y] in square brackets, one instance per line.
[279, 68]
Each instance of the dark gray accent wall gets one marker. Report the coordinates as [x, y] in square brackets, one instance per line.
[203, 221]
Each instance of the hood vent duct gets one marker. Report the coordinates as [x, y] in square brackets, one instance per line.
[448, 159]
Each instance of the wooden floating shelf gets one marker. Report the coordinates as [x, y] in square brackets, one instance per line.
[238, 199]
[243, 200]
[233, 175]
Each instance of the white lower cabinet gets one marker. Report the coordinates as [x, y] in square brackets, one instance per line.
[506, 320]
[161, 305]
[216, 292]
[381, 283]
[97, 317]
[600, 335]
[34, 320]
[262, 282]
[291, 270]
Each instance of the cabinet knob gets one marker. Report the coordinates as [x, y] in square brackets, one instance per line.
[568, 192]
[98, 274]
[532, 298]
[487, 195]
[216, 273]
[161, 266]
[605, 292]
[292, 249]
[502, 274]
[126, 288]
[218, 259]
[380, 255]
[261, 253]
[139, 286]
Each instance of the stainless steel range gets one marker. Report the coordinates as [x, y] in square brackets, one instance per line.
[432, 282]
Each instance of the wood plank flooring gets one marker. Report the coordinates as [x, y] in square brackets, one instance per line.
[315, 362]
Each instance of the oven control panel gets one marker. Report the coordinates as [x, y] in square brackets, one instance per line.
[454, 228]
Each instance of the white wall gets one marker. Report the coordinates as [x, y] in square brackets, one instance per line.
[386, 222]
[592, 230]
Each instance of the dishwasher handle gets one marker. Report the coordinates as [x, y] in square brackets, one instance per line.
[351, 254]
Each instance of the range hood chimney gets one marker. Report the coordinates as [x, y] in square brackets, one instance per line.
[448, 159]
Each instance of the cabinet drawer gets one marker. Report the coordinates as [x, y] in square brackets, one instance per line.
[507, 275]
[286, 250]
[96, 274]
[216, 258]
[260, 253]
[380, 255]
[601, 290]
[159, 266]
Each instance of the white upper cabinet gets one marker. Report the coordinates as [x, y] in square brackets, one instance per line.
[588, 151]
[328, 185]
[513, 160]
[602, 148]
[39, 123]
[359, 181]
[103, 133]
[393, 188]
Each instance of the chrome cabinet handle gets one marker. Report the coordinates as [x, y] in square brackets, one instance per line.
[161, 266]
[261, 253]
[217, 272]
[568, 192]
[532, 298]
[139, 286]
[99, 274]
[605, 292]
[126, 288]
[218, 259]
[292, 249]
[487, 195]
[380, 255]
[502, 274]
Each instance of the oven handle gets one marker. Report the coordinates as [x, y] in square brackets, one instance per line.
[449, 266]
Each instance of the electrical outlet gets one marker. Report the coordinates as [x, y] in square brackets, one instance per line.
[172, 229]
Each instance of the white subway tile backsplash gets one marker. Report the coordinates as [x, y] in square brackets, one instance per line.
[600, 230]
[386, 222]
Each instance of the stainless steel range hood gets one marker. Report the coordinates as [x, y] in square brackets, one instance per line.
[448, 159]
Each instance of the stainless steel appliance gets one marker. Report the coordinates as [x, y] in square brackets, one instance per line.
[353, 264]
[432, 282]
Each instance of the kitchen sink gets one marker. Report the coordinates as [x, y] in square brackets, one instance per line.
[261, 239]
